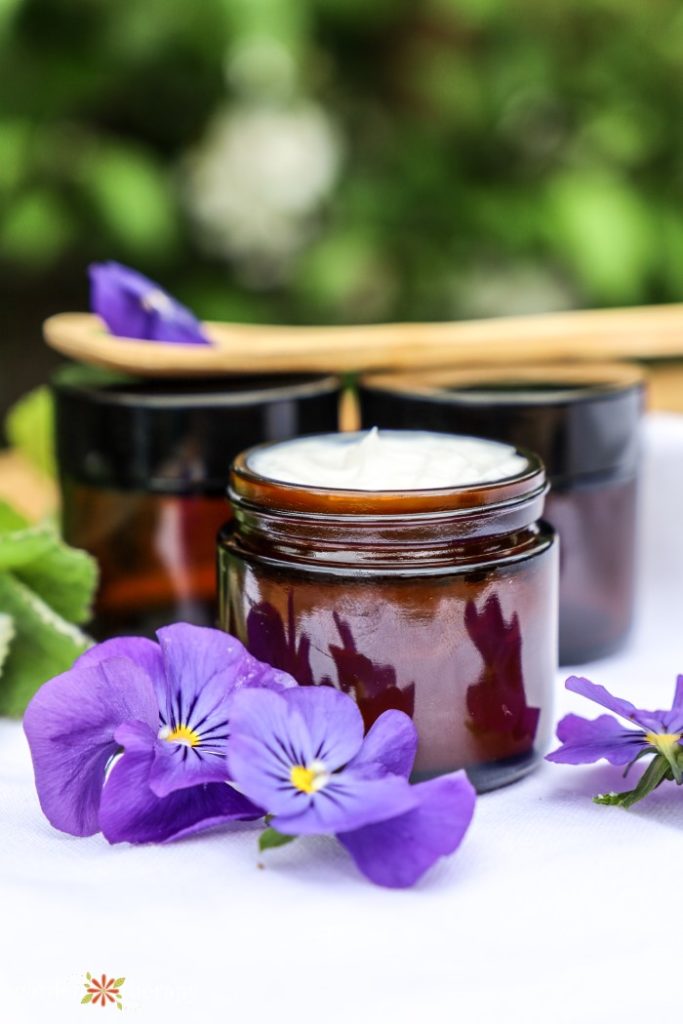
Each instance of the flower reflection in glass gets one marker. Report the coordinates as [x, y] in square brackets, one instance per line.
[497, 702]
[373, 686]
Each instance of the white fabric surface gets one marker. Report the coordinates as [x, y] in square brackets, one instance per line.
[553, 910]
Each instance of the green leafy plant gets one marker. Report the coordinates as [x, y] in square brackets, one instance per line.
[494, 155]
[30, 429]
[46, 590]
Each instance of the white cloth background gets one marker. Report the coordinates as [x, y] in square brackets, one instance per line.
[553, 910]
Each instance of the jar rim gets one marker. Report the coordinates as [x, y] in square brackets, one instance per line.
[250, 485]
[530, 384]
[167, 395]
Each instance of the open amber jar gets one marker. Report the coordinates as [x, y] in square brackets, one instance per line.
[583, 421]
[439, 602]
[143, 468]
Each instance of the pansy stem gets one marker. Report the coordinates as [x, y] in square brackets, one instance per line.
[658, 771]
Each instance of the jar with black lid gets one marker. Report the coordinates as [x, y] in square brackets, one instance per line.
[583, 421]
[143, 467]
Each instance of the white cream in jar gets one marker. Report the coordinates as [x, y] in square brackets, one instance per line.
[387, 460]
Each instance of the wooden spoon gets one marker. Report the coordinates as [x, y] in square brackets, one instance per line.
[647, 332]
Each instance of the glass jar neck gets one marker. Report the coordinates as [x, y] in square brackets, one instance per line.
[415, 531]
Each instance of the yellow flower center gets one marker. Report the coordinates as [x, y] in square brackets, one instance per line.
[181, 734]
[309, 779]
[664, 742]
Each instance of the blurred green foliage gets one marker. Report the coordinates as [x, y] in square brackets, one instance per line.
[482, 156]
[29, 427]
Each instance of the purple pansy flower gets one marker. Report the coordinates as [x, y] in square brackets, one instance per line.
[585, 741]
[132, 306]
[302, 756]
[166, 708]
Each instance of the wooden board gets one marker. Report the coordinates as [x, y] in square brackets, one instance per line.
[648, 332]
[23, 487]
[665, 387]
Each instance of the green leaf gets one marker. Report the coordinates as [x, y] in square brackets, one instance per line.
[270, 838]
[656, 772]
[10, 519]
[87, 997]
[36, 228]
[64, 577]
[133, 196]
[6, 636]
[15, 134]
[20, 547]
[604, 229]
[119, 982]
[46, 588]
[30, 428]
[45, 644]
[88, 975]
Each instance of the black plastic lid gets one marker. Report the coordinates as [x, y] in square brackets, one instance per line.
[179, 436]
[582, 420]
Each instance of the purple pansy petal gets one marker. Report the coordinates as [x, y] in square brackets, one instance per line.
[650, 721]
[145, 653]
[598, 694]
[203, 668]
[135, 736]
[267, 737]
[396, 853]
[672, 720]
[131, 813]
[208, 665]
[133, 306]
[264, 776]
[348, 801]
[584, 741]
[273, 733]
[389, 747]
[70, 725]
[258, 675]
[332, 721]
[115, 293]
[194, 657]
[179, 766]
[678, 695]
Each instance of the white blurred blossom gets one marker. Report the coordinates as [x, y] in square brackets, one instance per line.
[256, 181]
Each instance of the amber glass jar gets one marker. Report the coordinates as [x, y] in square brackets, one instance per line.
[143, 469]
[583, 421]
[441, 603]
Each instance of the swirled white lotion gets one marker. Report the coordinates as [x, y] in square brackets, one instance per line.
[388, 460]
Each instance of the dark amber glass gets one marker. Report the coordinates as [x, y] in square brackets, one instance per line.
[441, 603]
[583, 421]
[156, 554]
[143, 471]
[596, 523]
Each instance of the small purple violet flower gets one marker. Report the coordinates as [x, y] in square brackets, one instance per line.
[584, 741]
[301, 755]
[133, 306]
[166, 709]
